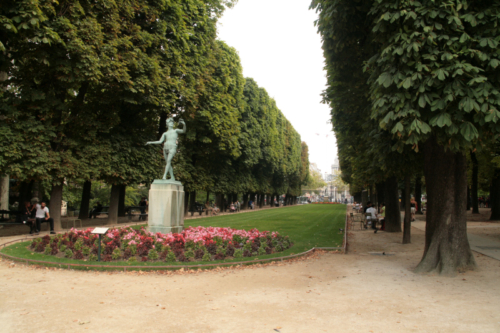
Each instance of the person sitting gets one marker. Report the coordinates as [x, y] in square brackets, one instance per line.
[97, 209]
[143, 204]
[232, 207]
[216, 210]
[29, 216]
[373, 218]
[42, 216]
[381, 216]
[209, 208]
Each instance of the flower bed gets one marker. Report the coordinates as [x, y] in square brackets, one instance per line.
[193, 244]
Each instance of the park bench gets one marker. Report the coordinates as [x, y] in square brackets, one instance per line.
[196, 208]
[104, 211]
[10, 220]
[142, 216]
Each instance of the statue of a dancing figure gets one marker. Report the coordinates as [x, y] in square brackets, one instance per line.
[170, 146]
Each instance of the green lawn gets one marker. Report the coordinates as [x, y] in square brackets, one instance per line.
[307, 226]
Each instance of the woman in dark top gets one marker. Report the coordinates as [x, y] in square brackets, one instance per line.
[28, 216]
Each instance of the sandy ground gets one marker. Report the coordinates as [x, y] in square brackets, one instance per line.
[357, 292]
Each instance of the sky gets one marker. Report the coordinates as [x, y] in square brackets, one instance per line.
[281, 50]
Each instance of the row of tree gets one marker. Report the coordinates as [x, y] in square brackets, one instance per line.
[414, 88]
[86, 84]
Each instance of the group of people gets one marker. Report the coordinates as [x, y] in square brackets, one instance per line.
[36, 214]
[214, 210]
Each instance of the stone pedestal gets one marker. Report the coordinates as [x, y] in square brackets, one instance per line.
[166, 206]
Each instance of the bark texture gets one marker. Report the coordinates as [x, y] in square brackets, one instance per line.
[418, 194]
[447, 249]
[85, 202]
[121, 201]
[392, 211]
[113, 205]
[473, 190]
[55, 205]
[407, 222]
[495, 196]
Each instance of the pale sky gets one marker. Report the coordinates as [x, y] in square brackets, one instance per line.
[281, 50]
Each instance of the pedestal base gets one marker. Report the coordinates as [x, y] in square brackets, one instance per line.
[166, 207]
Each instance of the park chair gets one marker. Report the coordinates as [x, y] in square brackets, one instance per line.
[368, 217]
[353, 221]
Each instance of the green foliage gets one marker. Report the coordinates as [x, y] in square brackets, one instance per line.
[238, 253]
[68, 253]
[189, 254]
[92, 257]
[153, 254]
[117, 254]
[206, 257]
[132, 260]
[170, 257]
[47, 249]
[62, 247]
[86, 250]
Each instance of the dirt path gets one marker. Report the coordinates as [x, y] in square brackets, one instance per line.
[357, 292]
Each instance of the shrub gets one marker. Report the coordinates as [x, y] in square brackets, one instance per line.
[212, 248]
[279, 247]
[94, 250]
[144, 258]
[142, 249]
[230, 250]
[78, 245]
[153, 254]
[106, 257]
[117, 254]
[269, 250]
[92, 257]
[132, 259]
[78, 255]
[247, 253]
[133, 249]
[247, 247]
[86, 250]
[206, 257]
[68, 253]
[182, 257]
[199, 253]
[189, 254]
[219, 256]
[261, 251]
[127, 253]
[47, 249]
[170, 257]
[238, 253]
[62, 248]
[54, 250]
[35, 242]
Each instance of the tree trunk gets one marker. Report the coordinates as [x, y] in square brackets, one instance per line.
[418, 194]
[469, 203]
[407, 222]
[113, 205]
[475, 202]
[4, 193]
[495, 196]
[380, 194]
[447, 249]
[208, 197]
[244, 202]
[85, 201]
[121, 201]
[25, 192]
[186, 203]
[392, 211]
[55, 205]
[192, 200]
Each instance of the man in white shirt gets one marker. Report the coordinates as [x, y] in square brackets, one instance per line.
[43, 215]
[373, 215]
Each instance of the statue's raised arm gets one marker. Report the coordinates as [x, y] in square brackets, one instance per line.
[159, 142]
[183, 130]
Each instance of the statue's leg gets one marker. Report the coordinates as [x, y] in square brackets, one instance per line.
[165, 155]
[169, 164]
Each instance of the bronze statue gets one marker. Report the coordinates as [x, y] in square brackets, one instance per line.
[170, 146]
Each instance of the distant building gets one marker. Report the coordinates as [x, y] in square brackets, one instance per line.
[335, 165]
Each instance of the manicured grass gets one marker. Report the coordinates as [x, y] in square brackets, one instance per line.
[307, 226]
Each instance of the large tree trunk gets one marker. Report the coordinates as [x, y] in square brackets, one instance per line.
[392, 211]
[186, 203]
[364, 198]
[85, 202]
[380, 187]
[495, 196]
[113, 204]
[55, 205]
[447, 249]
[475, 202]
[4, 193]
[192, 201]
[25, 192]
[121, 201]
[418, 194]
[469, 203]
[407, 222]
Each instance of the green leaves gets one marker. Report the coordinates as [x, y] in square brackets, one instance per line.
[469, 131]
[441, 120]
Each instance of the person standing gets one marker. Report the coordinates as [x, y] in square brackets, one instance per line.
[43, 215]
